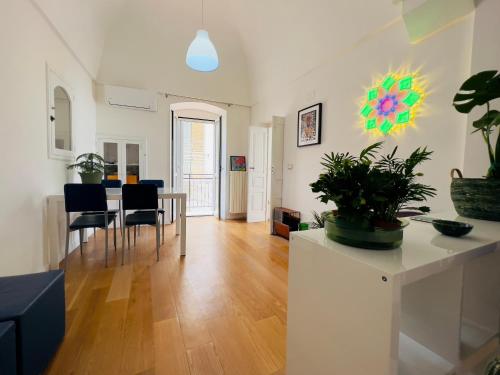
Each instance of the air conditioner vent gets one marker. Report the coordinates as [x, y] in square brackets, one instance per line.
[125, 97]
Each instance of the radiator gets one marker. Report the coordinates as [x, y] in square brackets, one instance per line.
[237, 192]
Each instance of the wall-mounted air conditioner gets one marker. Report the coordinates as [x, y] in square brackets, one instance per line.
[125, 97]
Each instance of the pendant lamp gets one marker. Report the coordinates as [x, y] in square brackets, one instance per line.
[201, 54]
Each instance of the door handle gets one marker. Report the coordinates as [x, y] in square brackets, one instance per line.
[251, 168]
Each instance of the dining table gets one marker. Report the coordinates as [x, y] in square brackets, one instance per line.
[56, 220]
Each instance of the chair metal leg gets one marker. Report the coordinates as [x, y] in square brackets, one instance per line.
[157, 237]
[94, 233]
[120, 212]
[122, 228]
[139, 230]
[163, 227]
[128, 238]
[114, 233]
[66, 252]
[81, 241]
[106, 223]
[135, 234]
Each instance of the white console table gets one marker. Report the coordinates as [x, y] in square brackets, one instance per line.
[431, 307]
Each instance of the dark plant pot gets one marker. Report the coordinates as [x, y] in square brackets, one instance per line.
[373, 238]
[493, 367]
[476, 198]
[91, 178]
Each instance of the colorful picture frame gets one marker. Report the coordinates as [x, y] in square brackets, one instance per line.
[309, 126]
[238, 163]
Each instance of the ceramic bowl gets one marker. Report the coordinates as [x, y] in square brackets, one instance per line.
[452, 228]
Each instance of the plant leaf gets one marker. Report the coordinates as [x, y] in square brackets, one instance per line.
[477, 90]
[490, 119]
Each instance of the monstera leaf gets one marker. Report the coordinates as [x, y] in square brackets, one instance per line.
[477, 90]
[488, 121]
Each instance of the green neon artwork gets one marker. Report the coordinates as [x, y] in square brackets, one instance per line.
[386, 126]
[392, 102]
[371, 123]
[366, 111]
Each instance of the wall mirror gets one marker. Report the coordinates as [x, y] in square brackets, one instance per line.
[60, 118]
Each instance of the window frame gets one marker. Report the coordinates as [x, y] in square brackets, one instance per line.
[53, 81]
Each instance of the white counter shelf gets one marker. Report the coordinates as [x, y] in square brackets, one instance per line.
[431, 303]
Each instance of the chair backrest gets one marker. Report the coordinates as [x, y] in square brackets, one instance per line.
[157, 183]
[85, 197]
[112, 183]
[139, 197]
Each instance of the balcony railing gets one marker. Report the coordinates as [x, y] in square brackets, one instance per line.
[200, 189]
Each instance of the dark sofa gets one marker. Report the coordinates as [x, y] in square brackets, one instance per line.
[35, 303]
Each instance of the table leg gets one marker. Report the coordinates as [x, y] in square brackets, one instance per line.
[163, 221]
[177, 216]
[54, 247]
[183, 226]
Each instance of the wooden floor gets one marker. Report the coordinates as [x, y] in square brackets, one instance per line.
[220, 310]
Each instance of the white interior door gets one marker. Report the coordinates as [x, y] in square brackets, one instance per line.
[257, 174]
[217, 167]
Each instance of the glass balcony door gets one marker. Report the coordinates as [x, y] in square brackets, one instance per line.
[199, 162]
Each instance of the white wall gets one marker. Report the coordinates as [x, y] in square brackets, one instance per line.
[339, 83]
[84, 26]
[27, 43]
[485, 56]
[155, 128]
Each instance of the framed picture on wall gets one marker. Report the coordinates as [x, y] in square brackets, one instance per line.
[238, 163]
[309, 126]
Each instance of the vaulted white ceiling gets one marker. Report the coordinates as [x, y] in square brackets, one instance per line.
[142, 43]
[83, 25]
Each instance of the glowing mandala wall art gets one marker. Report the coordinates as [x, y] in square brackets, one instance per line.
[392, 103]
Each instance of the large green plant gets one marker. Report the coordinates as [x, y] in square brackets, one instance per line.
[365, 189]
[88, 163]
[479, 90]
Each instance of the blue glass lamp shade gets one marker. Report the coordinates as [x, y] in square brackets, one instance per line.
[201, 54]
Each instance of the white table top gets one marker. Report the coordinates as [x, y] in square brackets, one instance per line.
[424, 250]
[116, 194]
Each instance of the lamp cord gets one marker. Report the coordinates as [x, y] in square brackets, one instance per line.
[203, 14]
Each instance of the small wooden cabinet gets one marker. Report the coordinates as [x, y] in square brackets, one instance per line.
[285, 221]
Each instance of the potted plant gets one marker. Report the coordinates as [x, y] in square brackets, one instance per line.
[478, 197]
[90, 167]
[369, 194]
[493, 367]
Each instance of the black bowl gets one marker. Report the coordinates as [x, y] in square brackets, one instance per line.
[452, 228]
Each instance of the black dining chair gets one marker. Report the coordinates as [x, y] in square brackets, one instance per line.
[87, 198]
[159, 184]
[143, 198]
[110, 184]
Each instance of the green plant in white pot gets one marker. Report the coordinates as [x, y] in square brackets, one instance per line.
[90, 167]
[368, 194]
[478, 197]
